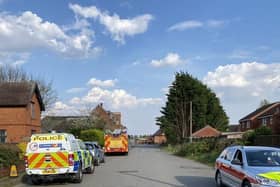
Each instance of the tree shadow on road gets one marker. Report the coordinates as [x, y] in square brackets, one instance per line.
[196, 181]
[152, 179]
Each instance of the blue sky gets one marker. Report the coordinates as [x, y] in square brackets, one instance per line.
[125, 53]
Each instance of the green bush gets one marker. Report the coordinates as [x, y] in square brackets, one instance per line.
[9, 155]
[205, 150]
[263, 131]
[249, 137]
[93, 135]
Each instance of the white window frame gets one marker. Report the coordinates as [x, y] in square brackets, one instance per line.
[264, 121]
[248, 124]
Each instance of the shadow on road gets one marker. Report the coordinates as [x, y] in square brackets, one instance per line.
[146, 146]
[26, 180]
[151, 179]
[196, 181]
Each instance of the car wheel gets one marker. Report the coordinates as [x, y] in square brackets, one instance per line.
[219, 181]
[91, 168]
[78, 177]
[98, 162]
[246, 184]
[36, 180]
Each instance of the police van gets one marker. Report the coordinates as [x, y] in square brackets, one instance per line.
[57, 155]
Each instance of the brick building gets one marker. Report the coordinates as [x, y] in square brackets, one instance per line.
[159, 137]
[268, 115]
[206, 132]
[20, 111]
[111, 119]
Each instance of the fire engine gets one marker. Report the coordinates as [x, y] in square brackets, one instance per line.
[116, 141]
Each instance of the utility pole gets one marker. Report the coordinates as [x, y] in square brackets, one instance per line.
[190, 121]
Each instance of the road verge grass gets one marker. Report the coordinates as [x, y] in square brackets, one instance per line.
[204, 151]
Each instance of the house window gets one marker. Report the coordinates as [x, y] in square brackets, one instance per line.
[264, 121]
[32, 108]
[248, 124]
[3, 136]
[271, 120]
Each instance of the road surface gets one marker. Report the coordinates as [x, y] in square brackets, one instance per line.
[145, 166]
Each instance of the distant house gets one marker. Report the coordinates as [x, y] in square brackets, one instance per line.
[233, 128]
[268, 115]
[112, 119]
[206, 132]
[159, 137]
[20, 111]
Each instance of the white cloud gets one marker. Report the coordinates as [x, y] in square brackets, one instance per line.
[171, 59]
[14, 59]
[117, 98]
[191, 24]
[75, 101]
[194, 24]
[215, 23]
[75, 90]
[238, 75]
[62, 109]
[165, 90]
[100, 83]
[118, 28]
[244, 85]
[28, 31]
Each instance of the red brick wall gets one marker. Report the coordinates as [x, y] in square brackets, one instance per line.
[159, 139]
[102, 114]
[18, 123]
[257, 122]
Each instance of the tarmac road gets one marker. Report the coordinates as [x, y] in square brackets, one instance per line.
[145, 166]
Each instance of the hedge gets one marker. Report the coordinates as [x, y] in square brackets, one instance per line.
[9, 154]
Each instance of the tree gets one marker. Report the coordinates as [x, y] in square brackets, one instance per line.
[206, 108]
[264, 102]
[93, 135]
[10, 73]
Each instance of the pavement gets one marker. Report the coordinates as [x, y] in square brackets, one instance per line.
[145, 166]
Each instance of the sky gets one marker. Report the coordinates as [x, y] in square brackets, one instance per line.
[125, 53]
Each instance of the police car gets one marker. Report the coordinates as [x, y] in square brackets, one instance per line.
[248, 166]
[57, 155]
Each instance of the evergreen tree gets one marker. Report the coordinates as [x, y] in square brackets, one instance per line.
[206, 108]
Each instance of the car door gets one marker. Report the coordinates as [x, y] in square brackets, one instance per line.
[236, 169]
[225, 167]
[85, 155]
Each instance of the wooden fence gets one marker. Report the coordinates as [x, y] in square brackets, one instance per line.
[268, 140]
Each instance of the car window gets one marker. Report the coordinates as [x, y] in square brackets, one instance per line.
[229, 154]
[89, 147]
[82, 145]
[238, 156]
[223, 154]
[263, 158]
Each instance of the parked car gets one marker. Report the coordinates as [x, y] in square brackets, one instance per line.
[248, 166]
[98, 152]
